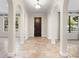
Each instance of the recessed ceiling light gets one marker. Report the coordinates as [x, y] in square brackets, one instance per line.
[37, 6]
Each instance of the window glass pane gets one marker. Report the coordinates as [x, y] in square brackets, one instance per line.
[6, 23]
[73, 23]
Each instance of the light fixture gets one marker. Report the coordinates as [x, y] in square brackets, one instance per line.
[37, 5]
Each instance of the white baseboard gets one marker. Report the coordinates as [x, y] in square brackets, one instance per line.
[44, 35]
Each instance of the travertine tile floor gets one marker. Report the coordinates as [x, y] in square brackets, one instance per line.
[42, 48]
[73, 48]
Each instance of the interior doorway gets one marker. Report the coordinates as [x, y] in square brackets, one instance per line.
[37, 26]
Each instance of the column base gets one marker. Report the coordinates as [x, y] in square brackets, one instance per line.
[64, 54]
[11, 55]
[53, 41]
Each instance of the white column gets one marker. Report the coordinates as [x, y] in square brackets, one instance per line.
[11, 31]
[26, 26]
[63, 33]
[50, 28]
[53, 26]
[21, 26]
[63, 27]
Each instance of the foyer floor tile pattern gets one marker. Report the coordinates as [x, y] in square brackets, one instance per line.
[43, 48]
[39, 48]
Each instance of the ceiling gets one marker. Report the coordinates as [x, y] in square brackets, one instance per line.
[45, 6]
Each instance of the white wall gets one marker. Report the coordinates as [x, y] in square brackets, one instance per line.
[73, 35]
[31, 24]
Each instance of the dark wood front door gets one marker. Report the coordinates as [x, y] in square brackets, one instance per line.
[37, 26]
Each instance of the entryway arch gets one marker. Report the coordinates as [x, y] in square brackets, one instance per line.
[12, 27]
